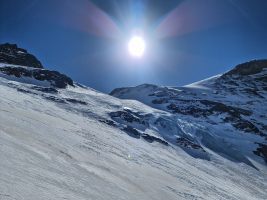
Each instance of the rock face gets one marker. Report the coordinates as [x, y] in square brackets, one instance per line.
[248, 68]
[126, 120]
[55, 78]
[30, 68]
[11, 54]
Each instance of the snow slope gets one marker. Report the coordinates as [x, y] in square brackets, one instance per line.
[78, 143]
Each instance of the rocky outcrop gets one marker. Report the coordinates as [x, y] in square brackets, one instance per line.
[262, 151]
[184, 142]
[127, 116]
[55, 78]
[133, 124]
[206, 108]
[29, 67]
[11, 54]
[248, 68]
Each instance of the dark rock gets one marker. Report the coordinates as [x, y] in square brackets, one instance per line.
[25, 91]
[243, 125]
[55, 99]
[234, 114]
[76, 101]
[11, 54]
[261, 151]
[150, 139]
[16, 71]
[189, 110]
[46, 89]
[223, 108]
[263, 78]
[55, 78]
[188, 144]
[253, 92]
[126, 115]
[132, 132]
[108, 122]
[248, 68]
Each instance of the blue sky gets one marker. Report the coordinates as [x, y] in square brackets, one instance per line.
[186, 40]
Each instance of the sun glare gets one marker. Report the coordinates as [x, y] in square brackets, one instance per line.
[136, 46]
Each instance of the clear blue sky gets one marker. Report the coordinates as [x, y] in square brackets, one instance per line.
[187, 40]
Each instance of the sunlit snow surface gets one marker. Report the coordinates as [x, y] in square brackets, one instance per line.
[53, 150]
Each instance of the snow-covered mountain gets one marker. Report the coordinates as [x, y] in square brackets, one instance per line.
[62, 140]
[231, 109]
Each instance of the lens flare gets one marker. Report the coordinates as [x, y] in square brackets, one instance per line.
[191, 16]
[136, 46]
[86, 17]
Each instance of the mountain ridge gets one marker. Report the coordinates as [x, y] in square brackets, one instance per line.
[208, 100]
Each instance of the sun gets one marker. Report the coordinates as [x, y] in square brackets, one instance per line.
[136, 46]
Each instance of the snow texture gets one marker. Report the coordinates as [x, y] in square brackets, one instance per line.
[78, 143]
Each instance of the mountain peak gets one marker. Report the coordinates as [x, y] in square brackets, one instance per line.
[12, 54]
[18, 65]
[249, 68]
